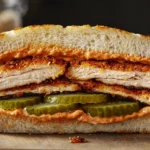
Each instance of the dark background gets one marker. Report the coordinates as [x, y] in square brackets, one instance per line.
[130, 15]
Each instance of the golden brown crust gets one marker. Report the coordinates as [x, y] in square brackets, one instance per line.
[72, 53]
[100, 27]
[20, 64]
[111, 65]
[120, 30]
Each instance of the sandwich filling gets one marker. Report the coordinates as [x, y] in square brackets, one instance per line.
[30, 70]
[48, 75]
[112, 73]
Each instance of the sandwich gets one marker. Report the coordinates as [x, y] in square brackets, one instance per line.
[74, 79]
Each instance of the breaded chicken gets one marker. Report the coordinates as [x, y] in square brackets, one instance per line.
[56, 86]
[112, 73]
[30, 70]
[135, 94]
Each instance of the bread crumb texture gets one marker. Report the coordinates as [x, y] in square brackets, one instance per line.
[82, 42]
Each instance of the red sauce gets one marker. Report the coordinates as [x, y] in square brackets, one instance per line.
[75, 115]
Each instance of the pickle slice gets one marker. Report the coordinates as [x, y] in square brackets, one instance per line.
[20, 102]
[81, 98]
[111, 109]
[47, 108]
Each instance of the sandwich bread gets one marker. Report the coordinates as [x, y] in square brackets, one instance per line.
[68, 68]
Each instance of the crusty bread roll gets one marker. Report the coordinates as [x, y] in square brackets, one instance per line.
[75, 43]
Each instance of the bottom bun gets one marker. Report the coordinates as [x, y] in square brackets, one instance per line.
[15, 122]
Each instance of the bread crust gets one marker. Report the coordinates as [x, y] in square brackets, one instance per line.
[45, 46]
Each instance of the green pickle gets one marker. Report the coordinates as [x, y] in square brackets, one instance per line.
[20, 102]
[47, 108]
[81, 98]
[92, 104]
[110, 109]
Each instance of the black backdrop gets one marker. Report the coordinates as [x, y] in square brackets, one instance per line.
[131, 15]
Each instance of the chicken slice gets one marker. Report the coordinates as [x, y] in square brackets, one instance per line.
[30, 70]
[57, 86]
[112, 73]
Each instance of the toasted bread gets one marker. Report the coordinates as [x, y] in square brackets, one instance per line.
[81, 42]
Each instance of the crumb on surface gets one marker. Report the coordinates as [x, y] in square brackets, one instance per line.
[77, 139]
